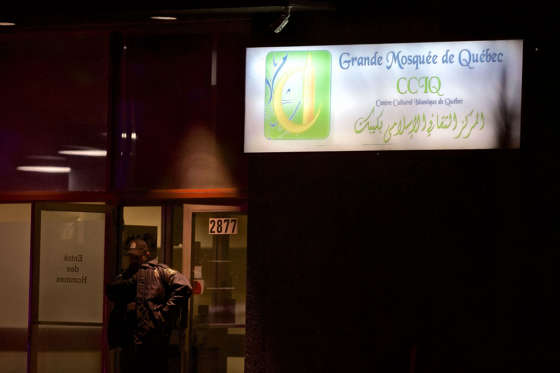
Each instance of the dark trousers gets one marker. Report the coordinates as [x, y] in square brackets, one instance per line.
[148, 357]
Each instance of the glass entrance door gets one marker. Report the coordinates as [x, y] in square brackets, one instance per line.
[218, 275]
[68, 273]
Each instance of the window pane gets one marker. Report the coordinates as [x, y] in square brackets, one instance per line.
[54, 112]
[173, 135]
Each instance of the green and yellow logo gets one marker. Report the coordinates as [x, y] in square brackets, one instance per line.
[297, 95]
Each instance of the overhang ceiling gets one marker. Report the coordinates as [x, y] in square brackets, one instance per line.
[119, 12]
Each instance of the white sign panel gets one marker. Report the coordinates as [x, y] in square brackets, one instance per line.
[71, 266]
[452, 95]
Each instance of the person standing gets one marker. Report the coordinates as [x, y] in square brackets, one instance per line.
[149, 299]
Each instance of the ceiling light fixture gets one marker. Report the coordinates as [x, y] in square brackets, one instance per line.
[7, 24]
[283, 21]
[46, 169]
[164, 18]
[85, 153]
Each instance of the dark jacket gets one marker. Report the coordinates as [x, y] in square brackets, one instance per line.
[148, 304]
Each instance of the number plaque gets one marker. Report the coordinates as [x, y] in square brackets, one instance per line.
[222, 226]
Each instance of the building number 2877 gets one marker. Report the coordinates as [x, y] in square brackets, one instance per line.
[222, 226]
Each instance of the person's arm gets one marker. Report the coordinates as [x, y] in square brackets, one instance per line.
[123, 288]
[179, 291]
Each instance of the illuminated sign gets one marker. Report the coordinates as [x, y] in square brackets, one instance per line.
[452, 95]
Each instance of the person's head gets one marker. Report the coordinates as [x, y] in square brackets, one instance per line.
[151, 242]
[138, 252]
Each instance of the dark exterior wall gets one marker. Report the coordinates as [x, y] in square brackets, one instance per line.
[365, 261]
[366, 255]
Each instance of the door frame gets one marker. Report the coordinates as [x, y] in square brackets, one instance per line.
[188, 211]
